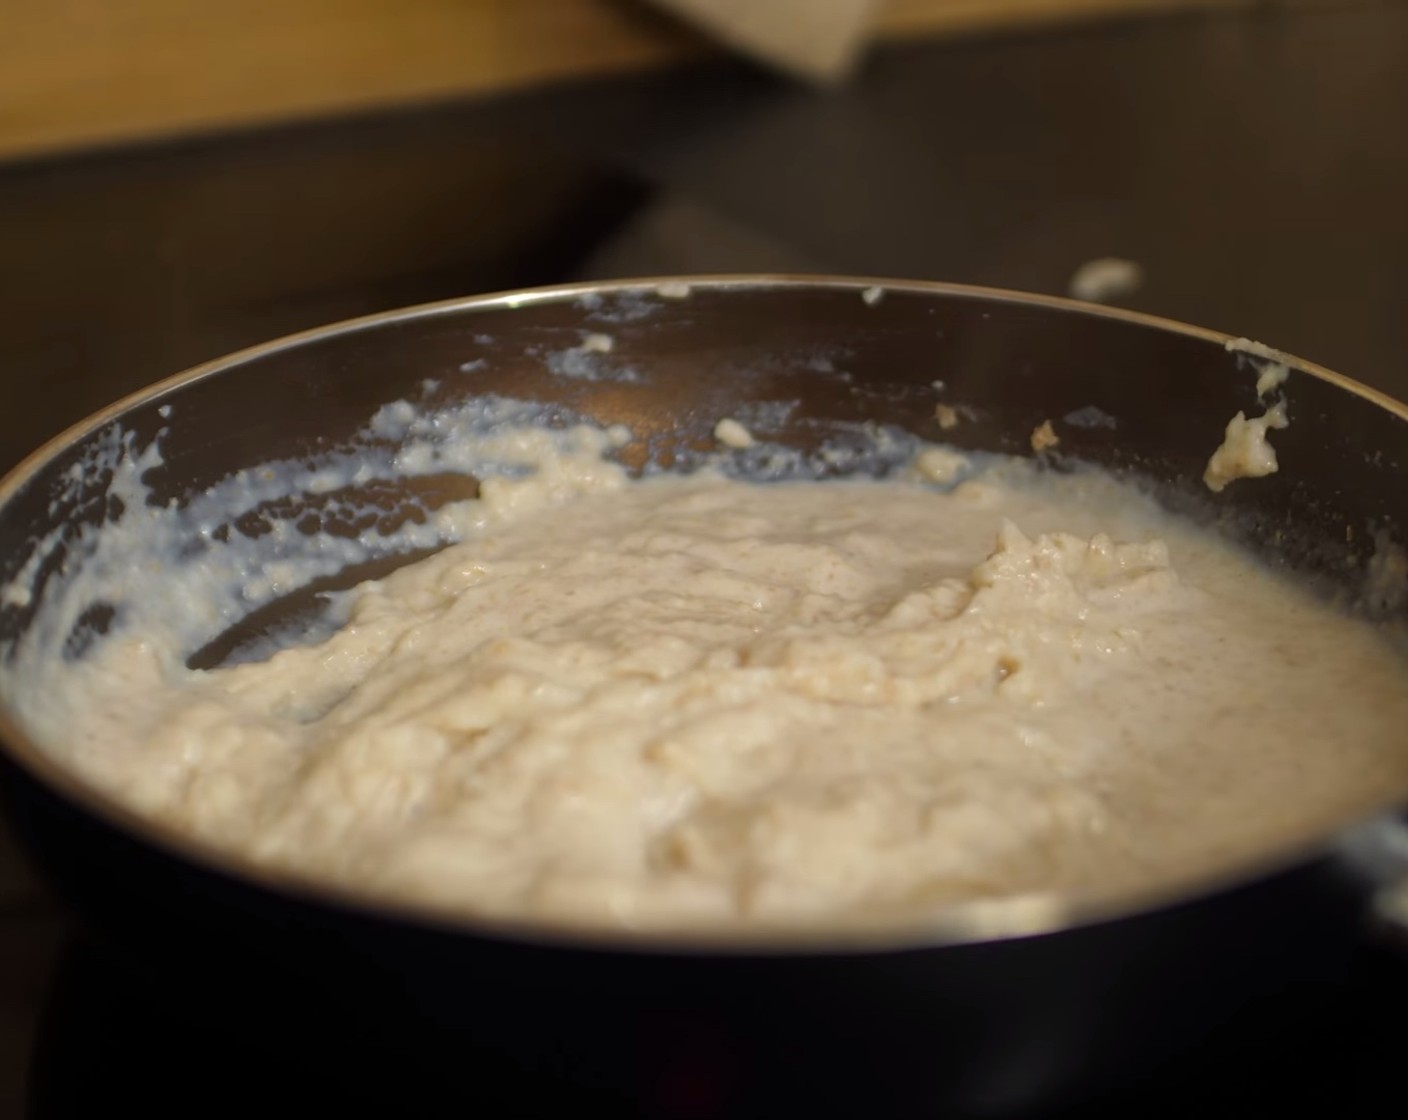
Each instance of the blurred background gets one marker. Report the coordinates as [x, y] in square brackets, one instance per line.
[179, 179]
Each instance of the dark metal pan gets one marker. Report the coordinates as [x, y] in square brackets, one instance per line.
[997, 1009]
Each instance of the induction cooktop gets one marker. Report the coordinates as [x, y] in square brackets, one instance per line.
[111, 1041]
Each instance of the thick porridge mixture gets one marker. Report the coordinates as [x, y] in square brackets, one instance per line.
[702, 703]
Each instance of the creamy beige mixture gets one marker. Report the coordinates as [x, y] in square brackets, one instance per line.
[707, 704]
[1245, 452]
[1044, 437]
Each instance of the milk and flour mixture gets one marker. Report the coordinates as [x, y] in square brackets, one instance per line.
[702, 703]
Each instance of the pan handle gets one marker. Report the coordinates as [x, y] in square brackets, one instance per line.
[1377, 850]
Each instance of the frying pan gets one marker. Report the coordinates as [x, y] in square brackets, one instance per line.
[999, 1008]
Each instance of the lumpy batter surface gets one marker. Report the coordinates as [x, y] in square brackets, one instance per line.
[700, 703]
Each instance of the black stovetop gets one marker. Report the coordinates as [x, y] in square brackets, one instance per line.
[111, 1043]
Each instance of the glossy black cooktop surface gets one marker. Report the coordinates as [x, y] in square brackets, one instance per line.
[111, 1040]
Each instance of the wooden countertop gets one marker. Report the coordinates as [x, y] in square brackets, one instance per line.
[79, 73]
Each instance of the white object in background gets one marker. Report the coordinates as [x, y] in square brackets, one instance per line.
[1106, 280]
[816, 39]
